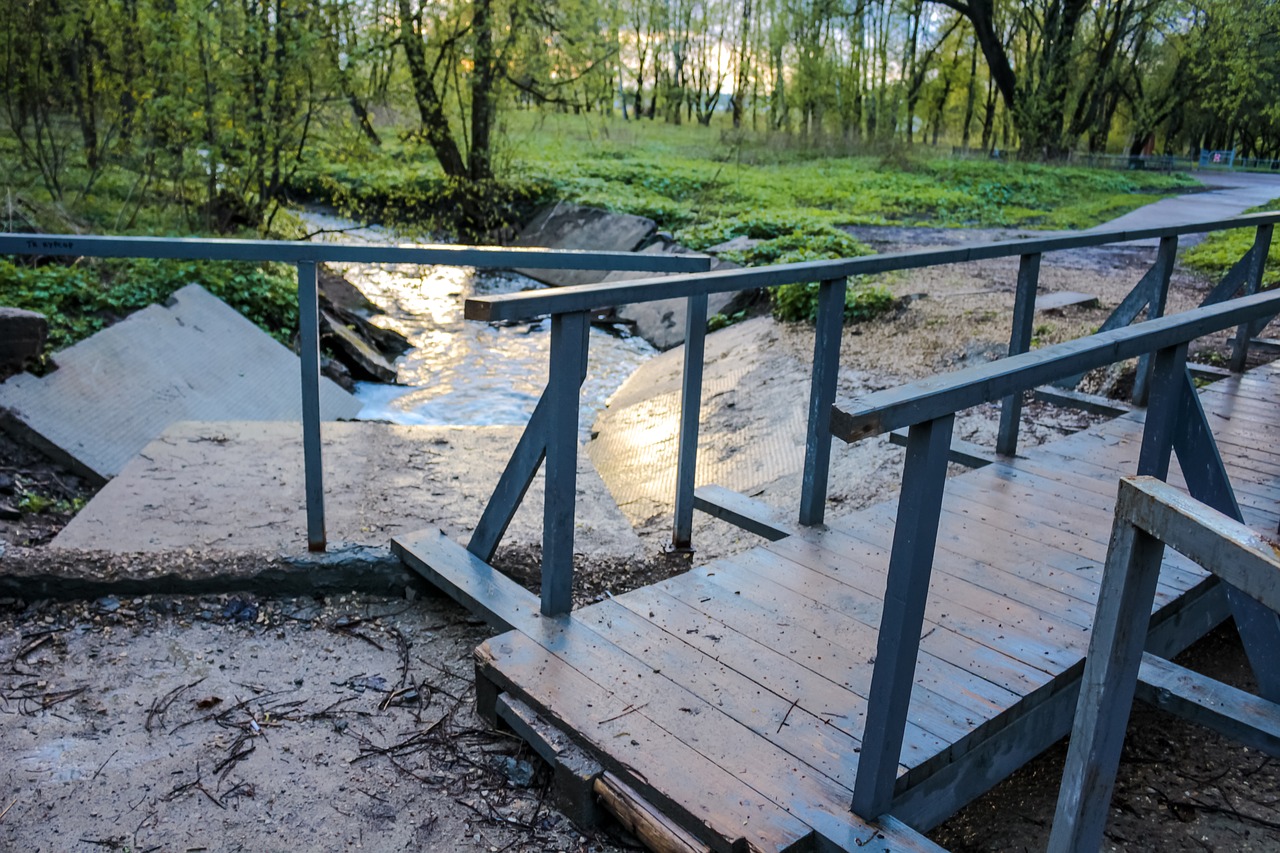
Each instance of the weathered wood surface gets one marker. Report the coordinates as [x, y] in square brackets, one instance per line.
[733, 697]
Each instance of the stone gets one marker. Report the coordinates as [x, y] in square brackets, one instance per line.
[22, 338]
[741, 243]
[661, 322]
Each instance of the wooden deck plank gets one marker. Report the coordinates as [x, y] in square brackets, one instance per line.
[1079, 527]
[952, 673]
[980, 569]
[698, 791]
[837, 651]
[999, 623]
[816, 677]
[1070, 492]
[782, 717]
[962, 652]
[636, 690]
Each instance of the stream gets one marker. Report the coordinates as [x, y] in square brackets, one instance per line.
[462, 372]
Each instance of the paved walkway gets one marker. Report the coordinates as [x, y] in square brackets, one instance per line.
[1228, 194]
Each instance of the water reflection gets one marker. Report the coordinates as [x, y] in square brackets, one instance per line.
[465, 372]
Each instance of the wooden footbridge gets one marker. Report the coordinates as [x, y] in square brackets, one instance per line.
[848, 686]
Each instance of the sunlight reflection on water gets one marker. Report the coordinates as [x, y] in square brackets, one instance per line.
[463, 372]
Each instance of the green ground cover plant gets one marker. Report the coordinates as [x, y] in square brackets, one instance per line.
[1217, 254]
[707, 188]
[83, 298]
[703, 185]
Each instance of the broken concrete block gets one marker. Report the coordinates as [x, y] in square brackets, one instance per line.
[195, 358]
[572, 226]
[357, 351]
[22, 338]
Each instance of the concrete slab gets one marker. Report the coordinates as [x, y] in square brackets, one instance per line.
[195, 358]
[754, 416]
[1064, 299]
[661, 323]
[237, 487]
[572, 226]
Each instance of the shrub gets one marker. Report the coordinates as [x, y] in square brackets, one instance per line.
[799, 302]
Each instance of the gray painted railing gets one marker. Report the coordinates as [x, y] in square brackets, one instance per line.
[568, 357]
[305, 256]
[1149, 516]
[1175, 422]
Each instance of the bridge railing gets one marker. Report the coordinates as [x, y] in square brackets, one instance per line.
[1175, 422]
[305, 256]
[552, 431]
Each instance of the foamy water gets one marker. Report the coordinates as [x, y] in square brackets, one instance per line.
[464, 372]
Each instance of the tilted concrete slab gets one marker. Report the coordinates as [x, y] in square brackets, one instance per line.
[572, 226]
[195, 358]
[662, 321]
[238, 487]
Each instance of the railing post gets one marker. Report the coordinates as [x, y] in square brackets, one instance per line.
[568, 349]
[1168, 373]
[1165, 257]
[309, 351]
[1128, 588]
[1024, 310]
[1253, 280]
[822, 396]
[695, 336]
[906, 593]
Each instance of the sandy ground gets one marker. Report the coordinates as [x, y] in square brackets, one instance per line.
[226, 723]
[756, 384]
[345, 722]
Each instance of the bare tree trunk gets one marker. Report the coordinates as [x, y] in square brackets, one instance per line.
[435, 124]
[970, 98]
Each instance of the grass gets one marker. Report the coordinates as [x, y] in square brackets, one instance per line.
[706, 184]
[81, 299]
[1217, 254]
[703, 185]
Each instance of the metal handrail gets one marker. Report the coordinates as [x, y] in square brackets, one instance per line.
[294, 251]
[305, 256]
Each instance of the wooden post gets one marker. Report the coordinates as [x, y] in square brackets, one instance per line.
[822, 396]
[309, 353]
[695, 336]
[1253, 280]
[1024, 310]
[907, 591]
[516, 478]
[1168, 384]
[1110, 676]
[1163, 270]
[568, 350]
